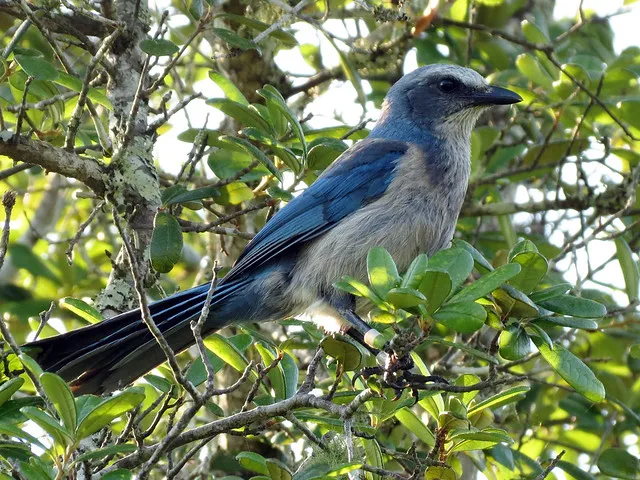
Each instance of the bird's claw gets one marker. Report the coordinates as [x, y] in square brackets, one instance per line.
[395, 374]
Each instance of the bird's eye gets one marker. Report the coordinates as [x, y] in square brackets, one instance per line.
[447, 85]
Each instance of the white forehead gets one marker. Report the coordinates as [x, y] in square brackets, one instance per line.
[467, 76]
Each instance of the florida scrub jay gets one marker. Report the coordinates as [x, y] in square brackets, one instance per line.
[402, 188]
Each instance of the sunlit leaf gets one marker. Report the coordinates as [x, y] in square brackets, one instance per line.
[230, 90]
[416, 426]
[108, 410]
[572, 370]
[62, 398]
[82, 309]
[463, 317]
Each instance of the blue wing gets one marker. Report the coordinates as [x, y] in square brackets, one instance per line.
[359, 176]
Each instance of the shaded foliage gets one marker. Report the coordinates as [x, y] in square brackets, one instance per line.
[531, 315]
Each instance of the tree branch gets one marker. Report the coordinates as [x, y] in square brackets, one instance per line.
[53, 159]
[70, 24]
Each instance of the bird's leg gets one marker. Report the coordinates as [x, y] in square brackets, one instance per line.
[361, 331]
[394, 367]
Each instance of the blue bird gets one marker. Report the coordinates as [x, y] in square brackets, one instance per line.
[402, 188]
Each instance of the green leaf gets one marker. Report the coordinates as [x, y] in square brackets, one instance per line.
[523, 246]
[343, 468]
[161, 384]
[487, 283]
[283, 153]
[481, 263]
[290, 370]
[344, 351]
[234, 194]
[62, 398]
[75, 84]
[415, 273]
[503, 455]
[547, 293]
[108, 410]
[105, 452]
[530, 67]
[10, 387]
[405, 298]
[185, 196]
[416, 426]
[534, 268]
[571, 322]
[440, 473]
[31, 364]
[275, 375]
[166, 242]
[574, 306]
[480, 440]
[382, 271]
[634, 351]
[275, 99]
[159, 47]
[23, 257]
[533, 33]
[506, 227]
[243, 114]
[572, 370]
[514, 303]
[322, 154]
[227, 351]
[514, 343]
[312, 55]
[629, 268]
[197, 374]
[82, 309]
[457, 262]
[37, 67]
[49, 424]
[208, 135]
[285, 38]
[227, 163]
[253, 461]
[619, 463]
[278, 470]
[119, 474]
[18, 451]
[359, 289]
[436, 287]
[234, 40]
[467, 380]
[373, 456]
[18, 432]
[463, 317]
[256, 153]
[510, 395]
[552, 153]
[230, 90]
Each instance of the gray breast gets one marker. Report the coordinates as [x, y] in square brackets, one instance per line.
[416, 215]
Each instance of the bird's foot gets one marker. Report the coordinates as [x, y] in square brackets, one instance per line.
[395, 373]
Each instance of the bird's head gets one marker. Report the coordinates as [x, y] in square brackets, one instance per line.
[438, 100]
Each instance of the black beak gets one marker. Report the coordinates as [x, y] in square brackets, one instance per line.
[496, 96]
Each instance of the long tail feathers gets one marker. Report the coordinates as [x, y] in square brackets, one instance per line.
[111, 354]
